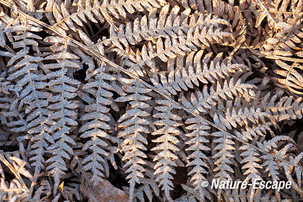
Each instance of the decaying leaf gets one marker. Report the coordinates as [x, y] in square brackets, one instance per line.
[104, 191]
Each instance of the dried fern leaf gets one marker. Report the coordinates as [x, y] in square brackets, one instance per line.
[134, 126]
[197, 141]
[196, 70]
[224, 147]
[29, 85]
[63, 107]
[95, 124]
[166, 149]
[169, 24]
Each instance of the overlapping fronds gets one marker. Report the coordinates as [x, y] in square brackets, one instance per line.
[150, 100]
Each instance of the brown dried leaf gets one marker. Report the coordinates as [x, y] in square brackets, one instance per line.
[104, 192]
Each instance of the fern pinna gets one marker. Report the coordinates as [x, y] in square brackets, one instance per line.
[152, 100]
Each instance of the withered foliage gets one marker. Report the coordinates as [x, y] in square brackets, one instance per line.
[145, 100]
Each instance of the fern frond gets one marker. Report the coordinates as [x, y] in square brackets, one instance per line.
[62, 17]
[172, 47]
[192, 195]
[5, 88]
[171, 24]
[171, 44]
[251, 163]
[29, 85]
[223, 157]
[258, 130]
[266, 7]
[240, 117]
[295, 162]
[148, 188]
[289, 77]
[95, 124]
[43, 192]
[166, 144]
[16, 121]
[285, 42]
[198, 69]
[248, 194]
[223, 10]
[197, 141]
[282, 108]
[271, 164]
[134, 126]
[63, 107]
[205, 101]
[277, 19]
[5, 85]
